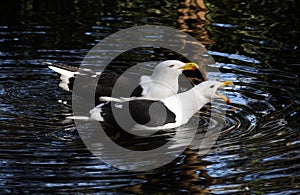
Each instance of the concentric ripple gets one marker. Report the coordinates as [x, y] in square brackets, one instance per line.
[255, 45]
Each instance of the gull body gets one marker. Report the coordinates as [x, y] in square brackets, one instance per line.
[169, 112]
[162, 83]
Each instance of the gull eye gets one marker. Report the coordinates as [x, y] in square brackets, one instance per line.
[171, 66]
[212, 86]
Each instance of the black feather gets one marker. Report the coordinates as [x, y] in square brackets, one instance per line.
[137, 92]
[105, 83]
[140, 111]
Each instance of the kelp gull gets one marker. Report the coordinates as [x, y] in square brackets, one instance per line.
[162, 83]
[166, 113]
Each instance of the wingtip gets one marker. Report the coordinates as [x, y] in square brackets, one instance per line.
[78, 117]
[47, 63]
[62, 70]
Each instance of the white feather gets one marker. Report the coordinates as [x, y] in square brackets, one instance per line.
[78, 117]
[96, 113]
[66, 73]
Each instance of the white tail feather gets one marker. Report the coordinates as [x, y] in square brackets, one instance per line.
[78, 117]
[63, 72]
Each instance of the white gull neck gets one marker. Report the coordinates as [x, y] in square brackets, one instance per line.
[186, 104]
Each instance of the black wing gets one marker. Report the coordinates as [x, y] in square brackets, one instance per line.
[144, 112]
[105, 83]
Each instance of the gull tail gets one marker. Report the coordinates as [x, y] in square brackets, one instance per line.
[67, 74]
[78, 117]
[62, 69]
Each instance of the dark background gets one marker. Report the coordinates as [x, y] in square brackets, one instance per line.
[255, 44]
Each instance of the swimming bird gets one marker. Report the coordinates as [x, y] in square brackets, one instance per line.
[169, 112]
[163, 81]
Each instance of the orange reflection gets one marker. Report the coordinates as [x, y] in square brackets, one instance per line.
[192, 19]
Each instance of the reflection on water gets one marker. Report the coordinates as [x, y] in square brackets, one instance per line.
[254, 44]
[192, 19]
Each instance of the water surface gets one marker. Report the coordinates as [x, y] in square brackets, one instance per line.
[255, 45]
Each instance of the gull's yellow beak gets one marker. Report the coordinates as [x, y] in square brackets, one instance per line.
[227, 100]
[228, 83]
[189, 66]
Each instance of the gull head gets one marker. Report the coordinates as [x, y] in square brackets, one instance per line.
[174, 67]
[209, 89]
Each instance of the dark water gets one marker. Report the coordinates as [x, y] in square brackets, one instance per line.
[255, 45]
